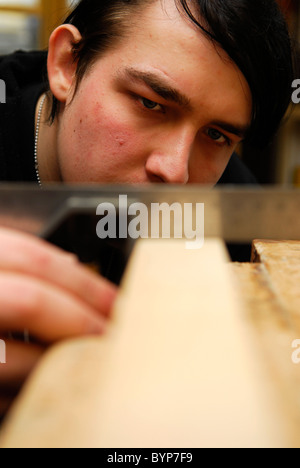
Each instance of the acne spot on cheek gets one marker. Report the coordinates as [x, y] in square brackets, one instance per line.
[120, 141]
[80, 121]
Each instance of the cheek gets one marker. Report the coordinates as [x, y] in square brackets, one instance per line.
[97, 144]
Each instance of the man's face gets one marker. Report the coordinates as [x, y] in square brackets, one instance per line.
[164, 106]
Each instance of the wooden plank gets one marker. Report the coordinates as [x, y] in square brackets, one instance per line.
[177, 369]
[273, 335]
[52, 13]
[271, 294]
[282, 262]
[35, 10]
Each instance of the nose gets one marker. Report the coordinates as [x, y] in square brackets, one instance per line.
[168, 161]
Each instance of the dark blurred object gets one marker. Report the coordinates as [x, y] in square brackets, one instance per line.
[77, 234]
[266, 163]
[240, 253]
[290, 9]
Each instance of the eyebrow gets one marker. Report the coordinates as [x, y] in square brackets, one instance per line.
[160, 86]
[238, 130]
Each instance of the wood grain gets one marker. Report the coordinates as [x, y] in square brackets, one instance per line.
[282, 262]
[273, 335]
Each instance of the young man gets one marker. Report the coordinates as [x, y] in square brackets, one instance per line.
[136, 91]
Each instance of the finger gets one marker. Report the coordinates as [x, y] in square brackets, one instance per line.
[47, 312]
[26, 254]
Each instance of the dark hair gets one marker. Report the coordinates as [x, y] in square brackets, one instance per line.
[252, 32]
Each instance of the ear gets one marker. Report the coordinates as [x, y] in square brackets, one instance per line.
[61, 66]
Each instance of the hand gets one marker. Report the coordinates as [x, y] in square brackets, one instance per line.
[48, 293]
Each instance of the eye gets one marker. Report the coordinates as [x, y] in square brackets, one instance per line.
[151, 105]
[218, 137]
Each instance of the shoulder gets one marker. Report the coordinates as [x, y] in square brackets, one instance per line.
[237, 173]
[23, 74]
[21, 69]
[23, 59]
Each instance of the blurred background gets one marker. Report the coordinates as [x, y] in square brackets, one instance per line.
[27, 24]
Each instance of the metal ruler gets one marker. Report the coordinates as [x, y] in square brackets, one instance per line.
[233, 214]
